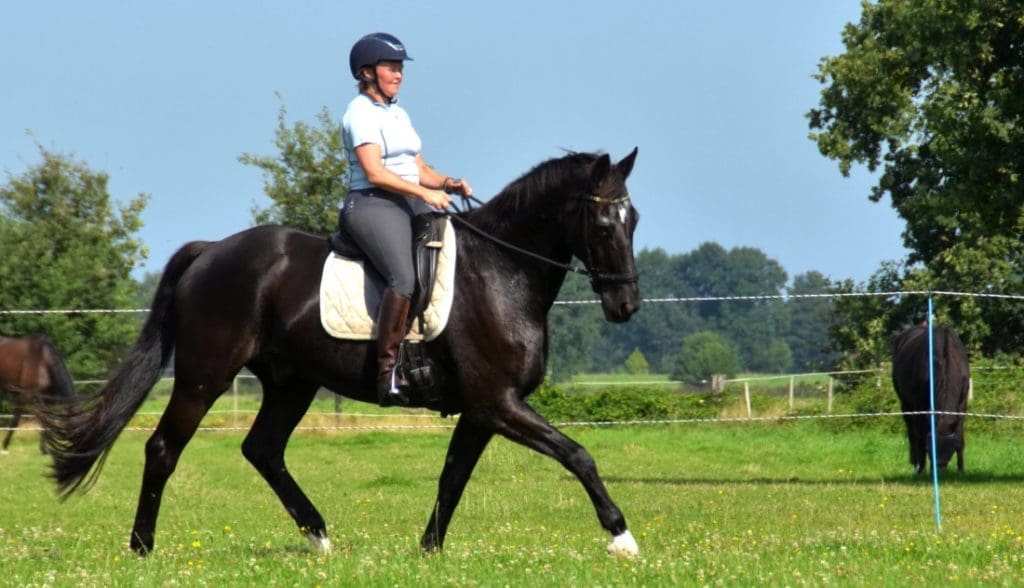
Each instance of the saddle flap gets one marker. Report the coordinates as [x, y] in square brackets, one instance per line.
[350, 295]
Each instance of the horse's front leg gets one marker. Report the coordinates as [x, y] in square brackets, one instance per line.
[517, 421]
[467, 443]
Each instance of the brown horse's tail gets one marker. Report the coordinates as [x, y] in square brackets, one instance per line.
[80, 435]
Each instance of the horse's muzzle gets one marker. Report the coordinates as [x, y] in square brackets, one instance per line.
[620, 302]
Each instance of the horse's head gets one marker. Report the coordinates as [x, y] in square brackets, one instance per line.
[603, 238]
[946, 446]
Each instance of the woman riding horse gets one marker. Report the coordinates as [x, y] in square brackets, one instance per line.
[251, 300]
[389, 184]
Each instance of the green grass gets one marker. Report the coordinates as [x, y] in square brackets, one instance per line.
[790, 504]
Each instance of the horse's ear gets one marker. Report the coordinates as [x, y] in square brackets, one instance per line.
[626, 165]
[600, 168]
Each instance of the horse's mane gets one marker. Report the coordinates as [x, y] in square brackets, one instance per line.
[523, 192]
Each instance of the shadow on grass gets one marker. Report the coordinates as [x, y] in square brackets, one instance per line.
[900, 479]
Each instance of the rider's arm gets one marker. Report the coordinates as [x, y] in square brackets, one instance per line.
[432, 178]
[369, 157]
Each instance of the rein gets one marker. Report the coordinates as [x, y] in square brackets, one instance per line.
[595, 276]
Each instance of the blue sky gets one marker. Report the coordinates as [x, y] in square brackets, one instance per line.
[164, 97]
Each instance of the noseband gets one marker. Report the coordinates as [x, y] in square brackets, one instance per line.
[596, 277]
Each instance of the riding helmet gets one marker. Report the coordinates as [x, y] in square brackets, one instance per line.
[374, 48]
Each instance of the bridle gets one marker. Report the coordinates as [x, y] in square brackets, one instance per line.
[596, 277]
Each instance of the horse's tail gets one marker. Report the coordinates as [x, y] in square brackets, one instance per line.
[80, 435]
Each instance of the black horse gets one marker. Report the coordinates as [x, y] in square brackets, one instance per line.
[252, 300]
[910, 368]
[32, 373]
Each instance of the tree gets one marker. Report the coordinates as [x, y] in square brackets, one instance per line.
[809, 319]
[703, 354]
[773, 358]
[932, 89]
[930, 92]
[66, 245]
[657, 330]
[306, 180]
[636, 363]
[864, 323]
[754, 324]
[573, 328]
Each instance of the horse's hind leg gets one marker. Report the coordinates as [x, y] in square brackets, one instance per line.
[12, 424]
[467, 443]
[279, 414]
[188, 404]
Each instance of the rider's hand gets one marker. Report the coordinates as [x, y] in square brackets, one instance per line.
[459, 186]
[438, 199]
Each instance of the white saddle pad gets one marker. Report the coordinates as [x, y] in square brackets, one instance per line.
[350, 296]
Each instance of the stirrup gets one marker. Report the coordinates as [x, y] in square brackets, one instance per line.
[397, 395]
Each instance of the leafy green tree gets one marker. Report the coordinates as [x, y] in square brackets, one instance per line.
[703, 354]
[809, 320]
[636, 363]
[573, 329]
[928, 94]
[67, 245]
[658, 328]
[146, 289]
[867, 316]
[306, 180]
[774, 358]
[713, 271]
[931, 91]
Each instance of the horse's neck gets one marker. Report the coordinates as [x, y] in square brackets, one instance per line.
[535, 227]
[538, 231]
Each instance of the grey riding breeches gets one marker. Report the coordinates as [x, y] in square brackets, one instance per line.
[381, 224]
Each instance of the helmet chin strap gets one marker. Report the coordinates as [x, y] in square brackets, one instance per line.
[376, 84]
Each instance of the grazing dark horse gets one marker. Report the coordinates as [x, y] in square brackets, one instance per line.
[32, 373]
[252, 300]
[952, 387]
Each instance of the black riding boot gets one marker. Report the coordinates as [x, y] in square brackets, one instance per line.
[391, 324]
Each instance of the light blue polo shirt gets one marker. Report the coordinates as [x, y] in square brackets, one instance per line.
[387, 125]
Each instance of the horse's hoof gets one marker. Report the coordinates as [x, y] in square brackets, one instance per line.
[319, 544]
[624, 544]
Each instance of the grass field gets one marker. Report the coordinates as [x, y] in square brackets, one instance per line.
[790, 504]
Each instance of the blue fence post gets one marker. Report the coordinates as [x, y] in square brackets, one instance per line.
[931, 407]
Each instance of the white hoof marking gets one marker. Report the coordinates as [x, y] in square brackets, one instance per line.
[624, 544]
[319, 544]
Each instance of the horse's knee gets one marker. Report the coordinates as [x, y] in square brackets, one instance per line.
[252, 453]
[256, 453]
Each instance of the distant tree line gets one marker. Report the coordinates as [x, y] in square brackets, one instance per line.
[692, 339]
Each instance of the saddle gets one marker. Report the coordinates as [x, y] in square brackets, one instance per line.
[350, 292]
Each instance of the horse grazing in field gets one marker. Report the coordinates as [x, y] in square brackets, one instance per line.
[952, 387]
[32, 373]
[251, 300]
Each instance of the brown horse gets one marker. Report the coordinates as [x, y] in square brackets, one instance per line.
[911, 377]
[32, 372]
[251, 300]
